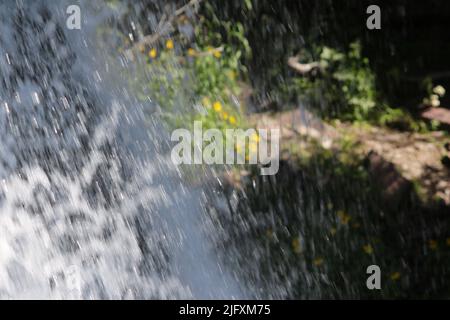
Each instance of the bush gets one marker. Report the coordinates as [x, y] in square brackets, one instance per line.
[345, 89]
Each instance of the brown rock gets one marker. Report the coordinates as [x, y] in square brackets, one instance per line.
[439, 114]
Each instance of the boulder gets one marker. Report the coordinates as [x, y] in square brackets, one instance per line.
[437, 114]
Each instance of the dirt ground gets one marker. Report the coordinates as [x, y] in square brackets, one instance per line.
[416, 157]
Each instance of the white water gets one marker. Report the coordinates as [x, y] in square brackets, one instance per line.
[90, 204]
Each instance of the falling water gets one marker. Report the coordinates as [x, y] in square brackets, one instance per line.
[90, 204]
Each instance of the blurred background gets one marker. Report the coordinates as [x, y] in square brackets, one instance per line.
[364, 160]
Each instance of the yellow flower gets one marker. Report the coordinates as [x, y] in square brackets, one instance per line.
[217, 106]
[368, 249]
[395, 276]
[152, 53]
[217, 54]
[191, 52]
[225, 115]
[318, 261]
[333, 231]
[433, 244]
[232, 120]
[254, 137]
[169, 44]
[343, 217]
[296, 245]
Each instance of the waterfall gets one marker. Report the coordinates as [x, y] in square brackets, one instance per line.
[91, 206]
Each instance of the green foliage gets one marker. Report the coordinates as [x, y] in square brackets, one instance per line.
[199, 79]
[345, 89]
[204, 76]
[401, 120]
[204, 71]
[213, 30]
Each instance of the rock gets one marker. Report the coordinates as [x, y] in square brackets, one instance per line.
[437, 114]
